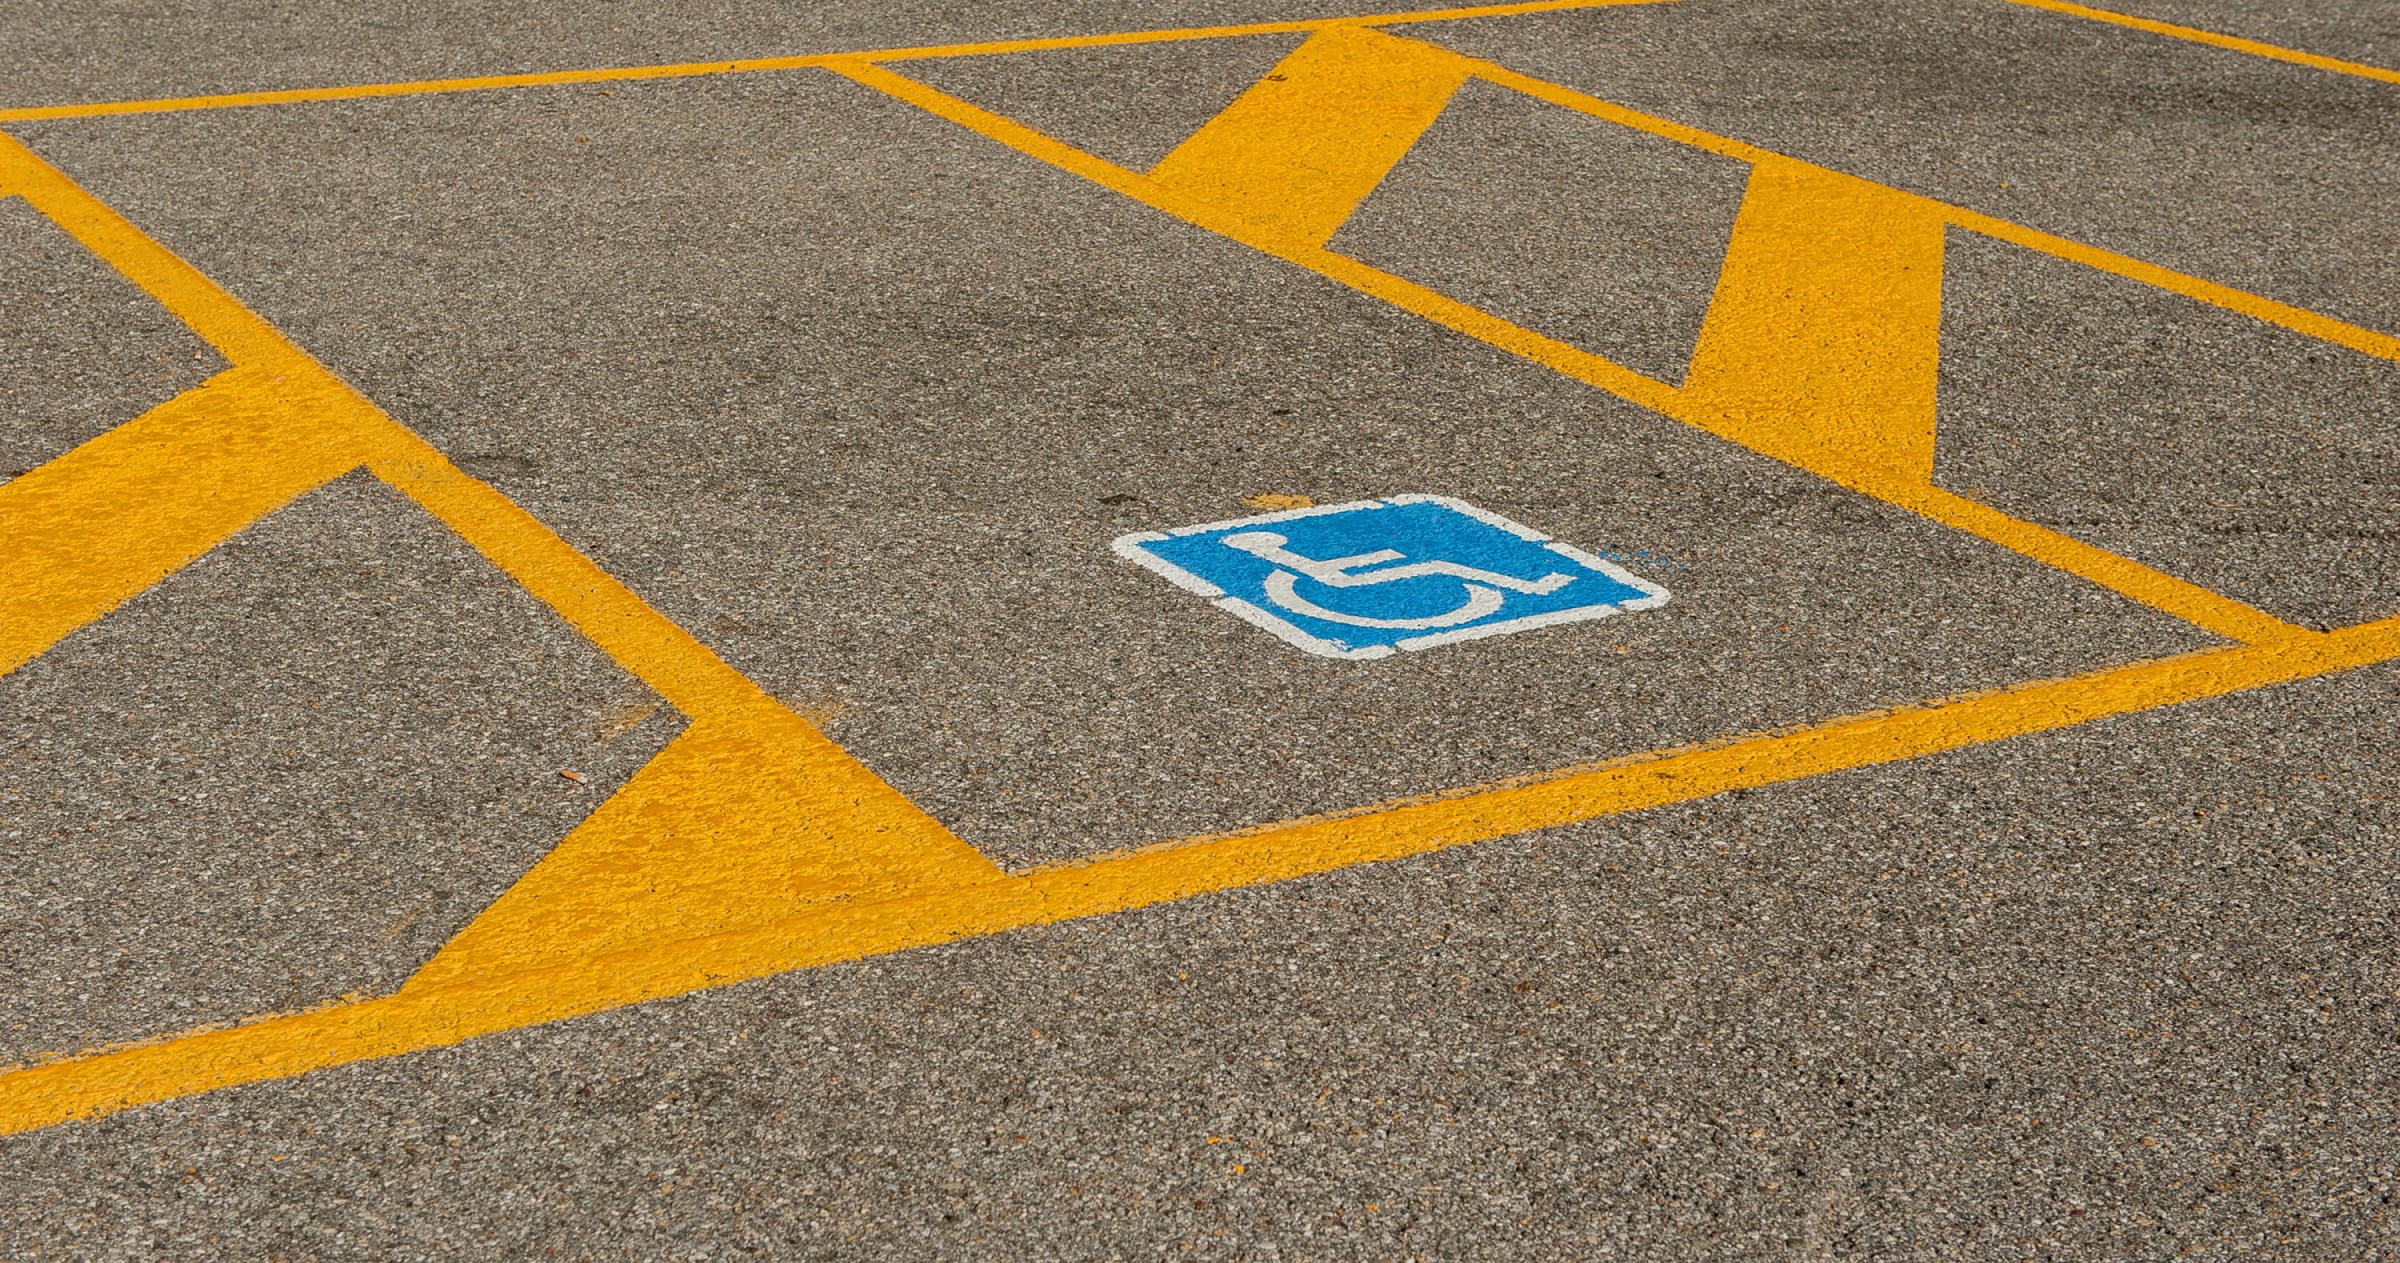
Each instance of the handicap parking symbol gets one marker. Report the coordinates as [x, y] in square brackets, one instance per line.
[1362, 580]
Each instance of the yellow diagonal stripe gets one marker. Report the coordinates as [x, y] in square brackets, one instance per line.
[1822, 348]
[1821, 345]
[82, 534]
[1298, 151]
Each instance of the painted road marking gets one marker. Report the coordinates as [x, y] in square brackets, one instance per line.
[1363, 580]
[754, 845]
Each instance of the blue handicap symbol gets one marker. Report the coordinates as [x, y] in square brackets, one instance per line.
[1408, 572]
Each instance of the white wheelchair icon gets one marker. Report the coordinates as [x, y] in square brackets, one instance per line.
[1482, 587]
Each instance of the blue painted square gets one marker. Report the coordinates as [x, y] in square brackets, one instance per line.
[1362, 580]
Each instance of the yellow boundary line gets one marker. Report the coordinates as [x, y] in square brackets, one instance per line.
[688, 69]
[278, 1047]
[2255, 48]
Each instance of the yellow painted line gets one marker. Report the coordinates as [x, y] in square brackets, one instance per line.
[1395, 830]
[234, 330]
[1822, 344]
[688, 69]
[2209, 611]
[683, 671]
[432, 1016]
[1601, 108]
[1292, 27]
[1711, 407]
[2233, 42]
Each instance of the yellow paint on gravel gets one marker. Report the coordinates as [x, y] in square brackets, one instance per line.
[833, 930]
[753, 844]
[81, 534]
[1821, 343]
[750, 816]
[730, 825]
[1304, 146]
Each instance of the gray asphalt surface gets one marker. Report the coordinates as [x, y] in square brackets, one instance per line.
[860, 399]
[61, 305]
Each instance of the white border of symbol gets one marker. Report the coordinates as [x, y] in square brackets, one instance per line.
[1130, 547]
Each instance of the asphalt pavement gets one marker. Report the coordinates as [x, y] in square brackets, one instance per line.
[860, 398]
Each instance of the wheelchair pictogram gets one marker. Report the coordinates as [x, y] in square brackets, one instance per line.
[1365, 579]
